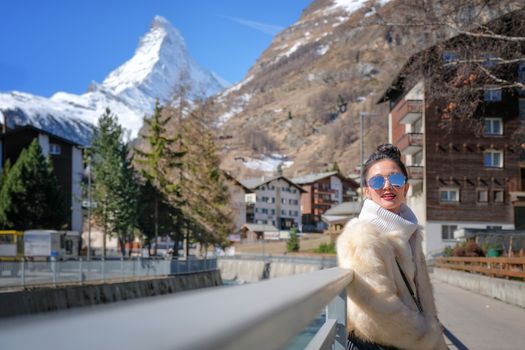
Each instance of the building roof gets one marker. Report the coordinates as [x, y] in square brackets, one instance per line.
[237, 182]
[260, 228]
[341, 213]
[311, 178]
[254, 183]
[314, 177]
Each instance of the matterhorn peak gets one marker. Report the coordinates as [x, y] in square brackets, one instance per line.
[160, 61]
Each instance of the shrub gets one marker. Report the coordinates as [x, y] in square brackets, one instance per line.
[448, 251]
[473, 249]
[325, 248]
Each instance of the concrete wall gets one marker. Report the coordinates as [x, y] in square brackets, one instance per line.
[512, 292]
[51, 299]
[250, 271]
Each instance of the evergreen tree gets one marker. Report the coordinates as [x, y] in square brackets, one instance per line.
[157, 161]
[114, 186]
[30, 197]
[206, 192]
[292, 245]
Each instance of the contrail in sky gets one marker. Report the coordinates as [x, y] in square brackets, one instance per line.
[270, 29]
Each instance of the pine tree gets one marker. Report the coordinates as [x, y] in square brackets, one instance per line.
[206, 192]
[292, 245]
[114, 186]
[30, 197]
[157, 161]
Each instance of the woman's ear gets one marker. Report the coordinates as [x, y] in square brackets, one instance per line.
[407, 186]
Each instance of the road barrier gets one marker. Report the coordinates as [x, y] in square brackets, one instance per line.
[33, 273]
[493, 267]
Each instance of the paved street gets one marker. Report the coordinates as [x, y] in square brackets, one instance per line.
[478, 322]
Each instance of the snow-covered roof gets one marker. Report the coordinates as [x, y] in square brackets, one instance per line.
[310, 178]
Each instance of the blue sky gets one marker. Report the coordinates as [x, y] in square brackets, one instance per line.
[63, 45]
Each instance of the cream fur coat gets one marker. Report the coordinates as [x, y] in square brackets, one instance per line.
[380, 307]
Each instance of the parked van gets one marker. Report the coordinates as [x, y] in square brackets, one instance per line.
[51, 244]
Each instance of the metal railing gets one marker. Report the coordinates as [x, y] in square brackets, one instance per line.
[32, 273]
[265, 315]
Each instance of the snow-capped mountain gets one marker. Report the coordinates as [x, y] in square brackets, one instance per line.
[157, 67]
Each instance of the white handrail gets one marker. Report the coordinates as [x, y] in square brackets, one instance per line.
[265, 315]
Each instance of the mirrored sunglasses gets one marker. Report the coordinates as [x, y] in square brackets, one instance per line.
[377, 182]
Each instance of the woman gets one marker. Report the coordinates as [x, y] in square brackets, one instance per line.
[390, 302]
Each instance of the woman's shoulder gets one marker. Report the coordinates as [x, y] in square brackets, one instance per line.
[359, 240]
[357, 234]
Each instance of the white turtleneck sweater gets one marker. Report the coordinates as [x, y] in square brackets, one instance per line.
[386, 221]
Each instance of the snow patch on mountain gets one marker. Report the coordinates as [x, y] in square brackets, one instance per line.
[20, 109]
[268, 163]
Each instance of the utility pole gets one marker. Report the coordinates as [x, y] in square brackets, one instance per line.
[362, 116]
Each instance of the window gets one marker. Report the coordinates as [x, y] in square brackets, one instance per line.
[493, 159]
[449, 195]
[54, 149]
[493, 126]
[483, 196]
[498, 196]
[521, 72]
[447, 232]
[417, 158]
[273, 211]
[449, 56]
[492, 94]
[491, 60]
[521, 112]
[264, 210]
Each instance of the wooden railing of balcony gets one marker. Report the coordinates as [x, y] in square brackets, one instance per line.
[494, 267]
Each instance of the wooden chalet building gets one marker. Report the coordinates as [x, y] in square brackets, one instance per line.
[65, 155]
[322, 191]
[459, 178]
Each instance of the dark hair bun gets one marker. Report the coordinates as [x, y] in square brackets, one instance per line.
[389, 150]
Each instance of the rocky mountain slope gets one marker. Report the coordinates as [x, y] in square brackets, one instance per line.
[299, 104]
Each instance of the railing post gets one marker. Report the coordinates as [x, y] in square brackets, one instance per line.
[337, 310]
[23, 273]
[81, 276]
[103, 262]
[54, 268]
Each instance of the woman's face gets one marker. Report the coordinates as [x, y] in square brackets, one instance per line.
[389, 196]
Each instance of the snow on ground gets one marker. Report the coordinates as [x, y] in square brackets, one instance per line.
[321, 50]
[268, 163]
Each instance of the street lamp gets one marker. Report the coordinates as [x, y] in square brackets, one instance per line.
[362, 116]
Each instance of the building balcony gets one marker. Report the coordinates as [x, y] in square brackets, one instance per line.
[410, 143]
[415, 173]
[410, 111]
[321, 201]
[323, 191]
[517, 196]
